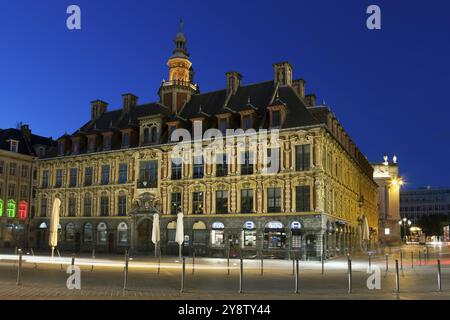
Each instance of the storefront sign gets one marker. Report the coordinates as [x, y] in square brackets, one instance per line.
[274, 225]
[296, 225]
[249, 225]
[218, 226]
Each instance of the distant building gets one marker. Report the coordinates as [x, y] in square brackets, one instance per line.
[389, 184]
[425, 202]
[19, 149]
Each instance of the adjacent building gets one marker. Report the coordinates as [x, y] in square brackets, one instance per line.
[120, 168]
[424, 202]
[389, 182]
[19, 149]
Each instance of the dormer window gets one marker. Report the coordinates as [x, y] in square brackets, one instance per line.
[275, 119]
[146, 136]
[246, 122]
[126, 140]
[91, 144]
[154, 135]
[277, 115]
[107, 143]
[61, 148]
[76, 147]
[14, 146]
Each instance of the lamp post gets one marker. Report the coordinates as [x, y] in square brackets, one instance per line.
[404, 224]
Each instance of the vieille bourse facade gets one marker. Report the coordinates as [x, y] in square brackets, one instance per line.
[114, 171]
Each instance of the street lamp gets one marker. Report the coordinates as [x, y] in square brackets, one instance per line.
[404, 223]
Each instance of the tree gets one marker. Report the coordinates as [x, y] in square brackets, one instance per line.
[434, 225]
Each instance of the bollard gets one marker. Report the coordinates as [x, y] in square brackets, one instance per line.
[297, 280]
[439, 275]
[32, 253]
[159, 262]
[228, 261]
[387, 263]
[19, 269]
[73, 259]
[193, 262]
[370, 262]
[350, 284]
[241, 276]
[323, 264]
[262, 264]
[125, 271]
[183, 271]
[401, 259]
[397, 278]
[420, 258]
[293, 266]
[412, 260]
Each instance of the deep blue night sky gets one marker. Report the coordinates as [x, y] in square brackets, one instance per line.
[389, 88]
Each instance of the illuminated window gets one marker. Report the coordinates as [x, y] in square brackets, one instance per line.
[176, 202]
[102, 233]
[217, 235]
[23, 210]
[249, 235]
[122, 232]
[11, 209]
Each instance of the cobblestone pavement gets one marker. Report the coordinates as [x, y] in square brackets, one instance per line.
[44, 281]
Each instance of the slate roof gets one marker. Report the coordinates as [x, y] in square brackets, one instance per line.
[25, 147]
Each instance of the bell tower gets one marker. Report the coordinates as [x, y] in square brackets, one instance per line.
[180, 87]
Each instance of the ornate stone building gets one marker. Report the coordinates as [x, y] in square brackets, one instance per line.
[117, 170]
[19, 149]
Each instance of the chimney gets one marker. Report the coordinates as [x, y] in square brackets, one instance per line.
[311, 100]
[233, 82]
[129, 102]
[299, 87]
[98, 107]
[283, 74]
[25, 129]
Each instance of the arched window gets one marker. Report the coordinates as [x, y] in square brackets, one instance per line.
[88, 233]
[11, 209]
[154, 135]
[199, 234]
[171, 231]
[217, 235]
[274, 235]
[1, 207]
[23, 210]
[122, 231]
[102, 233]
[146, 135]
[70, 232]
